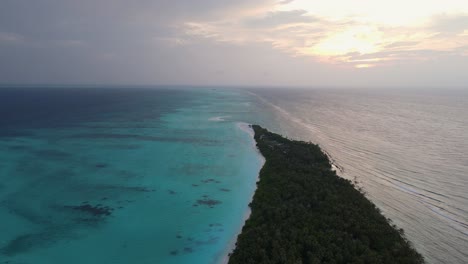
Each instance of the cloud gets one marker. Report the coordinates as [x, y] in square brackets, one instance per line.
[280, 18]
[161, 41]
[9, 38]
[450, 24]
[285, 2]
[401, 44]
[327, 39]
[288, 31]
[173, 41]
[74, 43]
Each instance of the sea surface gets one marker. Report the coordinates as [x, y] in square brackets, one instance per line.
[407, 149]
[165, 174]
[123, 174]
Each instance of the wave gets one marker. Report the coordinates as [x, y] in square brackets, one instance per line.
[218, 118]
[408, 157]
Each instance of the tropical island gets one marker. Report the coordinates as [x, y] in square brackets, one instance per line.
[303, 212]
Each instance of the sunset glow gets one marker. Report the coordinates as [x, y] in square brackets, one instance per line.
[361, 39]
[390, 13]
[363, 66]
[344, 32]
[236, 41]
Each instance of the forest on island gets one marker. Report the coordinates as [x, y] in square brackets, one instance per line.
[302, 212]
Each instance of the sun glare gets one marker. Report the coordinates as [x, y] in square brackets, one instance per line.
[364, 66]
[369, 27]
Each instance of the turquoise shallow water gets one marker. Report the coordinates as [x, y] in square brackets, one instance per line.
[123, 176]
[133, 175]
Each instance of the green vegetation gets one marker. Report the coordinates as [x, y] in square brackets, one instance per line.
[302, 212]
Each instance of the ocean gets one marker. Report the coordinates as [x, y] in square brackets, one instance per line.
[407, 150]
[122, 175]
[165, 174]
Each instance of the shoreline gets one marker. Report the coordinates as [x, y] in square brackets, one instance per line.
[337, 168]
[302, 210]
[286, 114]
[247, 128]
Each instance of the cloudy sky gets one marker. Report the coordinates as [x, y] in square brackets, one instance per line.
[365, 43]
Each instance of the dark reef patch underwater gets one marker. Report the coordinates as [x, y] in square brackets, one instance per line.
[121, 175]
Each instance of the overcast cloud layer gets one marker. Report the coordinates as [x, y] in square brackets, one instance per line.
[235, 42]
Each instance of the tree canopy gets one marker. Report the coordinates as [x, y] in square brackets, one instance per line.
[302, 212]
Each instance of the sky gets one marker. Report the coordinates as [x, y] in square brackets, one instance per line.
[333, 43]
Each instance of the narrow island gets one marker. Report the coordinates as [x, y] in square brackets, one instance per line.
[302, 212]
